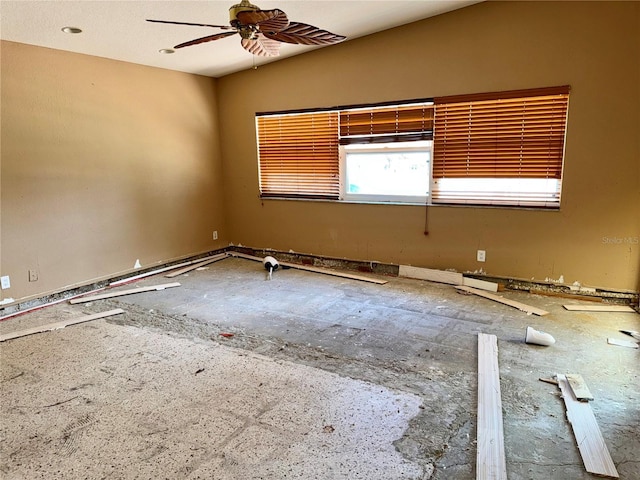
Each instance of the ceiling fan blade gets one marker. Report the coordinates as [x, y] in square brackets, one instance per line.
[224, 27]
[266, 20]
[301, 33]
[261, 46]
[208, 38]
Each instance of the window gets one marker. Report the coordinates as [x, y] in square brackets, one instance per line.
[397, 172]
[503, 148]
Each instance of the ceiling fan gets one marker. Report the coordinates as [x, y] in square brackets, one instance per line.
[261, 31]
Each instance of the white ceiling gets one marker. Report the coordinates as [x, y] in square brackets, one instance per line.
[118, 30]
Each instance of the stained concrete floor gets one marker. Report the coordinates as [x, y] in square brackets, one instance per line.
[323, 378]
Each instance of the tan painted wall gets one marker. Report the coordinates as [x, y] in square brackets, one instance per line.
[593, 46]
[103, 163]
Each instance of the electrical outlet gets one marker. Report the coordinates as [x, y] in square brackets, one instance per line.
[215, 234]
[5, 282]
[481, 255]
[33, 275]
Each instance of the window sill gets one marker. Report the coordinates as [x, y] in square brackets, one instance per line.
[404, 204]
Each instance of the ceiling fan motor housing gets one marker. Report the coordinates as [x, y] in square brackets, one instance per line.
[243, 6]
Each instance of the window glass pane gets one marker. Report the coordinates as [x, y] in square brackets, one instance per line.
[387, 170]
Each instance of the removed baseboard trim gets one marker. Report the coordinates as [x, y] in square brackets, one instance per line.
[579, 387]
[44, 305]
[123, 292]
[622, 343]
[24, 304]
[194, 265]
[148, 274]
[307, 259]
[490, 456]
[57, 325]
[440, 276]
[593, 449]
[506, 301]
[324, 271]
[599, 308]
[481, 284]
[51, 297]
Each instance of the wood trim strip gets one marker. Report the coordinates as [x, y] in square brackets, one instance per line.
[599, 308]
[202, 263]
[148, 274]
[124, 292]
[594, 452]
[511, 303]
[579, 387]
[482, 284]
[45, 305]
[490, 457]
[314, 269]
[57, 325]
[622, 343]
[442, 276]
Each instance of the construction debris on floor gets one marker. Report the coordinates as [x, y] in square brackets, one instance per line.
[314, 376]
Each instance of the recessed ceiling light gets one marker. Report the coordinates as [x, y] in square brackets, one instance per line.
[166, 51]
[71, 30]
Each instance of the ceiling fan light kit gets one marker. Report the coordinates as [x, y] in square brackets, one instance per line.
[262, 31]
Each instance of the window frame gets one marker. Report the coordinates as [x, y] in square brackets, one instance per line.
[382, 197]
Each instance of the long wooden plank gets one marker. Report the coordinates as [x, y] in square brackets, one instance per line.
[482, 284]
[490, 457]
[599, 308]
[594, 452]
[334, 273]
[205, 261]
[124, 292]
[45, 305]
[579, 387]
[148, 274]
[57, 325]
[622, 343]
[324, 271]
[441, 276]
[506, 301]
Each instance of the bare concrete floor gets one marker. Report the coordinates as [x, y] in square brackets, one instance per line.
[323, 378]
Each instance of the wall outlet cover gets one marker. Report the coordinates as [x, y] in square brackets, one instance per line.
[481, 255]
[5, 282]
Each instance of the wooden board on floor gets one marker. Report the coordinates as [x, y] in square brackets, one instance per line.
[441, 276]
[594, 452]
[506, 301]
[148, 274]
[307, 268]
[57, 325]
[599, 308]
[579, 387]
[193, 266]
[124, 292]
[490, 456]
[622, 343]
[481, 284]
[335, 273]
